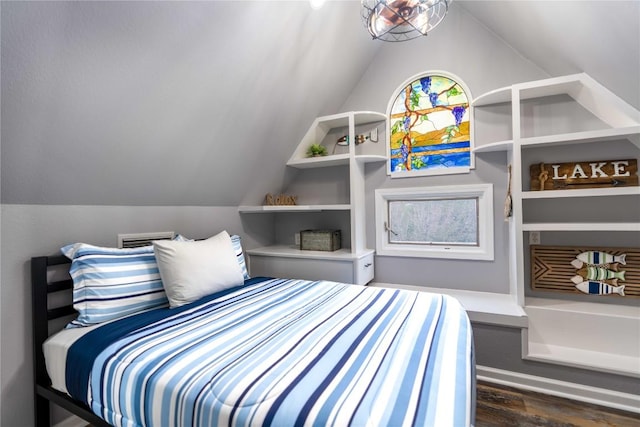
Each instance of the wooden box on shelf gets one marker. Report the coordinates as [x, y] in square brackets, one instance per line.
[320, 240]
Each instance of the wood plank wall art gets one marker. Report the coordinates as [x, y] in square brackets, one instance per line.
[596, 271]
[575, 175]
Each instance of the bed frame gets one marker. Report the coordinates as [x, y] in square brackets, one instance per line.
[43, 315]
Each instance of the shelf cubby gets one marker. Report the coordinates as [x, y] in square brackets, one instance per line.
[354, 262]
[546, 115]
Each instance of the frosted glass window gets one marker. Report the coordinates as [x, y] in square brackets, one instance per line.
[434, 222]
[454, 222]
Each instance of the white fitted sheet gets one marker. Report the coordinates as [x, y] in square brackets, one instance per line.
[55, 350]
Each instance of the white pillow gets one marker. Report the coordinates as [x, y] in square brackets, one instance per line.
[192, 270]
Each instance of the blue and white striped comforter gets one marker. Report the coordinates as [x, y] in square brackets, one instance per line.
[281, 353]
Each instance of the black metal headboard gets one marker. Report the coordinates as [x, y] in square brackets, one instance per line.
[42, 314]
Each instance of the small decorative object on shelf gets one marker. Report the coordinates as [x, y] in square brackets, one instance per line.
[316, 150]
[320, 240]
[280, 200]
[575, 175]
[598, 271]
[343, 141]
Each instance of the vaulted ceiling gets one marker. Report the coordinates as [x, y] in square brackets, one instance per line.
[159, 103]
[600, 38]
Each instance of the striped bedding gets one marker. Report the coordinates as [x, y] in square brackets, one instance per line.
[281, 353]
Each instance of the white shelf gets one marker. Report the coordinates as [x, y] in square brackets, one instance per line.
[335, 160]
[495, 146]
[342, 119]
[585, 226]
[573, 343]
[320, 162]
[627, 132]
[550, 87]
[497, 96]
[351, 265]
[323, 131]
[334, 120]
[630, 132]
[584, 192]
[482, 307]
[370, 158]
[286, 251]
[293, 208]
[364, 117]
[595, 335]
[584, 359]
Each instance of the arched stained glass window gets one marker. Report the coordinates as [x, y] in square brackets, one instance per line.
[429, 127]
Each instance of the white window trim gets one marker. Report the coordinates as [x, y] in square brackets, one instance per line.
[484, 193]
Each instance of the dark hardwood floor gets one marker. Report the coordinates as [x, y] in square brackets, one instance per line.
[500, 406]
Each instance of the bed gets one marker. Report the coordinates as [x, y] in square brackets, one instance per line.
[266, 351]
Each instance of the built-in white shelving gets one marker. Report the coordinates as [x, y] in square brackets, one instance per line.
[287, 251]
[591, 333]
[354, 264]
[371, 158]
[497, 96]
[334, 160]
[482, 307]
[293, 208]
[319, 162]
[585, 192]
[581, 226]
[494, 146]
[627, 132]
[589, 337]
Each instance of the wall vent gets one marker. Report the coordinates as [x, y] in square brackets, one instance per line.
[134, 240]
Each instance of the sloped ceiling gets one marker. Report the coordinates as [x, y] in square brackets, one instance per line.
[166, 103]
[193, 103]
[600, 38]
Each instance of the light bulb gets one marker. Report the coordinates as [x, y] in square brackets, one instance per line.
[316, 4]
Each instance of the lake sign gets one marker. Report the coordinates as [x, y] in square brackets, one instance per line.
[576, 175]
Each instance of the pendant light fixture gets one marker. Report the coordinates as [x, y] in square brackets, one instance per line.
[400, 20]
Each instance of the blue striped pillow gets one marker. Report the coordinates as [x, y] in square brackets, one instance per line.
[237, 247]
[110, 283]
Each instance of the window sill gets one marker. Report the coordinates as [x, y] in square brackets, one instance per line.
[440, 253]
[482, 307]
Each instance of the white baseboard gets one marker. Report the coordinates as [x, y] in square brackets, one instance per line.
[598, 396]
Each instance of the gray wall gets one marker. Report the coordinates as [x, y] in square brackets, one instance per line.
[146, 116]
